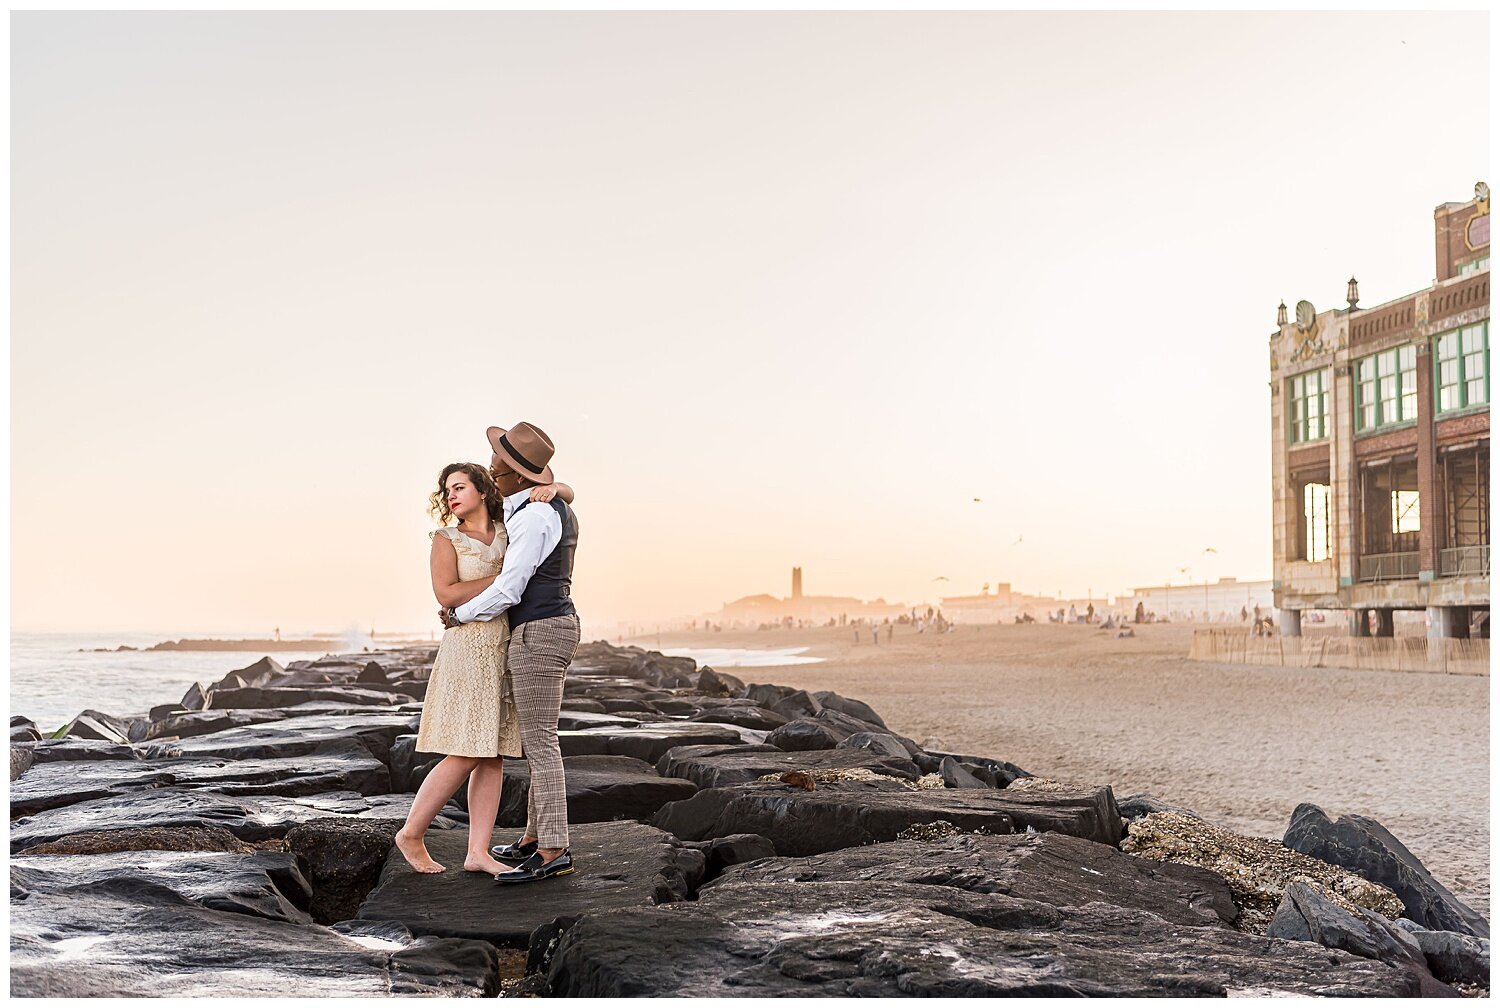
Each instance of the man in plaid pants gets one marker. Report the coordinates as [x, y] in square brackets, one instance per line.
[534, 587]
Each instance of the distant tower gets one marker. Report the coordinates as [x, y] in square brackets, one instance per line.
[796, 582]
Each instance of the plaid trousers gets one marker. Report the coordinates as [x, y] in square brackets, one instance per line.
[537, 659]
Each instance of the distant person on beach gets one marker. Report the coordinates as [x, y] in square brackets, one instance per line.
[875, 632]
[469, 713]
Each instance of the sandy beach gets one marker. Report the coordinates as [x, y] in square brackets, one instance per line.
[1242, 745]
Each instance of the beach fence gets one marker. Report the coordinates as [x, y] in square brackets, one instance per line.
[1454, 656]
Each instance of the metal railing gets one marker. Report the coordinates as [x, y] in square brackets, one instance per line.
[1389, 566]
[1466, 561]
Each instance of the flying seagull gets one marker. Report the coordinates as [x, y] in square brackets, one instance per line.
[1018, 540]
[978, 501]
[939, 578]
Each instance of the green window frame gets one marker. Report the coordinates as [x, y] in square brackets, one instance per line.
[1461, 365]
[1385, 388]
[1317, 504]
[1475, 266]
[1309, 406]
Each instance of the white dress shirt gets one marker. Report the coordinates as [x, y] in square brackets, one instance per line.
[534, 533]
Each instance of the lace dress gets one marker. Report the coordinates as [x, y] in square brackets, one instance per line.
[469, 709]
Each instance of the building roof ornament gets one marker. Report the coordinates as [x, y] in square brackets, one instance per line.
[1309, 343]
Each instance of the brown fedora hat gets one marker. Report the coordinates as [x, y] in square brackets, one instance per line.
[525, 449]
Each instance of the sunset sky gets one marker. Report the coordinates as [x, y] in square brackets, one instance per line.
[785, 289]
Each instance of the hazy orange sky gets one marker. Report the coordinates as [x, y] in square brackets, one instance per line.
[784, 289]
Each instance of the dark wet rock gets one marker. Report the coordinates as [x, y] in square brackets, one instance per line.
[647, 742]
[725, 766]
[1048, 867]
[676, 707]
[955, 775]
[156, 944]
[190, 724]
[257, 674]
[612, 689]
[797, 705]
[294, 737]
[767, 695]
[184, 838]
[1256, 870]
[20, 761]
[803, 735]
[883, 743]
[24, 730]
[664, 670]
[53, 750]
[1452, 957]
[636, 710]
[747, 717]
[620, 864]
[722, 853]
[249, 818]
[719, 684]
[55, 785]
[195, 698]
[400, 690]
[857, 709]
[870, 939]
[1004, 773]
[373, 672]
[338, 766]
[405, 761]
[263, 884]
[582, 704]
[100, 727]
[845, 727]
[265, 697]
[842, 814]
[344, 858]
[1141, 805]
[580, 720]
[1368, 849]
[600, 789]
[1308, 913]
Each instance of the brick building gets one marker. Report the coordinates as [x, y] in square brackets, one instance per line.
[1380, 429]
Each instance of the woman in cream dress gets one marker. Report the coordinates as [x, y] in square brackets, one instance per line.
[468, 713]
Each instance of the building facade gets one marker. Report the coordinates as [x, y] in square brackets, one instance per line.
[1219, 601]
[1002, 605]
[1380, 431]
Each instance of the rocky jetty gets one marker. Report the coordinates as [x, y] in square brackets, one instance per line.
[732, 838]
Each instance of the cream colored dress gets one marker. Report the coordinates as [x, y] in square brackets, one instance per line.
[469, 709]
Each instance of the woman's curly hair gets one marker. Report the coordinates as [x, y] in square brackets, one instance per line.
[493, 502]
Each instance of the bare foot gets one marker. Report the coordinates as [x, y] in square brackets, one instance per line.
[484, 863]
[415, 851]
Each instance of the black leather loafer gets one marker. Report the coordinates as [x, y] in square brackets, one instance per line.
[534, 869]
[517, 851]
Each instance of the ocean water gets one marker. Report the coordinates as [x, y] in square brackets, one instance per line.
[54, 677]
[742, 657]
[52, 680]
